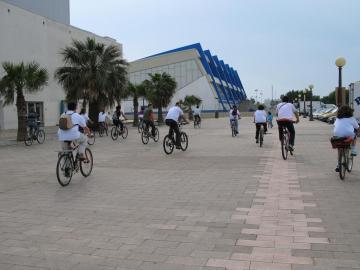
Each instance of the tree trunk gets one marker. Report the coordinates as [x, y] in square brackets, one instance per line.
[136, 108]
[160, 114]
[94, 111]
[21, 112]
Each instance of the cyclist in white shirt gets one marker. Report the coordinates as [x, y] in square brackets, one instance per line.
[174, 115]
[234, 115]
[197, 114]
[285, 114]
[73, 134]
[102, 118]
[260, 120]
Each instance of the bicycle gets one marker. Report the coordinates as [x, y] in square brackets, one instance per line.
[285, 143]
[197, 122]
[34, 133]
[67, 164]
[146, 135]
[116, 132]
[345, 159]
[261, 136]
[103, 129]
[169, 141]
[141, 125]
[91, 138]
[233, 128]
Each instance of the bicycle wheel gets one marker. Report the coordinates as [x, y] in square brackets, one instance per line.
[342, 163]
[350, 160]
[184, 141]
[145, 137]
[125, 132]
[140, 127]
[168, 145]
[40, 136]
[284, 146]
[86, 166]
[28, 139]
[233, 131]
[114, 133]
[91, 139]
[64, 170]
[261, 135]
[157, 135]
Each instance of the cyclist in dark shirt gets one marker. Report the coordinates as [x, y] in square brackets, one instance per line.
[149, 119]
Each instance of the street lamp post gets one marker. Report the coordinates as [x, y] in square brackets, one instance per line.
[340, 62]
[311, 98]
[305, 103]
[299, 99]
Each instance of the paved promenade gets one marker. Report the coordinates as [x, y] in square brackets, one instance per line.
[223, 204]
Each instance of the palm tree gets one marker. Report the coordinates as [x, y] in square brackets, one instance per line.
[190, 101]
[159, 91]
[18, 78]
[93, 72]
[135, 91]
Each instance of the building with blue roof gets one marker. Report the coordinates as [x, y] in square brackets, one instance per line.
[197, 72]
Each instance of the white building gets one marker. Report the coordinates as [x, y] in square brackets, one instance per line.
[27, 36]
[196, 72]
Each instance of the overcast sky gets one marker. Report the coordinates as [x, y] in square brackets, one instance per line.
[285, 43]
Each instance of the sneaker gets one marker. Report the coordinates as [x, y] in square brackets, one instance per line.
[291, 148]
[353, 152]
[337, 168]
[257, 141]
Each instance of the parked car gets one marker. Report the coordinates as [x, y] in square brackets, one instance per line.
[324, 117]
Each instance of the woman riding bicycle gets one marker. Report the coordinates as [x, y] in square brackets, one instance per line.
[234, 115]
[285, 113]
[346, 126]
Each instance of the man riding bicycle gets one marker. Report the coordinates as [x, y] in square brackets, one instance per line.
[234, 116]
[116, 118]
[175, 115]
[285, 112]
[32, 121]
[70, 132]
[197, 114]
[148, 119]
[260, 120]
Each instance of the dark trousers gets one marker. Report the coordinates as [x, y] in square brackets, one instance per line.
[151, 124]
[173, 126]
[118, 123]
[197, 118]
[258, 125]
[290, 126]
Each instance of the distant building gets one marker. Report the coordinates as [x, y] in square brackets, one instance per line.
[27, 36]
[197, 72]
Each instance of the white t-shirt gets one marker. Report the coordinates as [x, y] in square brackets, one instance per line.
[73, 133]
[285, 111]
[234, 116]
[260, 116]
[102, 117]
[344, 127]
[197, 111]
[86, 117]
[174, 113]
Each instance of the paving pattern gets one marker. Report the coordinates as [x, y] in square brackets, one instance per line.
[223, 204]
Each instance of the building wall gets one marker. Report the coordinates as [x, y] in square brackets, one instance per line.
[57, 10]
[26, 36]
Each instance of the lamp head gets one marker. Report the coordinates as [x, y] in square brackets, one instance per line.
[340, 62]
[311, 87]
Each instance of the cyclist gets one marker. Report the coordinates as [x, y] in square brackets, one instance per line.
[197, 114]
[32, 118]
[102, 118]
[285, 113]
[269, 120]
[346, 126]
[116, 118]
[149, 119]
[85, 116]
[73, 133]
[234, 115]
[141, 113]
[174, 115]
[260, 120]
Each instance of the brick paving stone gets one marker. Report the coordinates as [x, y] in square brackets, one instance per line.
[195, 205]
